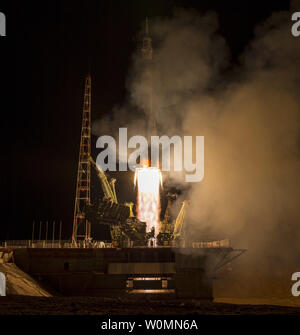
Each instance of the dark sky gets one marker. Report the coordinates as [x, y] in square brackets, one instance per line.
[49, 48]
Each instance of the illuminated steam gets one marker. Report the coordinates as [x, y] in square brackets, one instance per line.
[249, 115]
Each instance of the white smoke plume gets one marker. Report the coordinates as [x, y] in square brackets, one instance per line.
[250, 121]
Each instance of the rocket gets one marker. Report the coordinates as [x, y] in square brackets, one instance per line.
[147, 53]
[151, 117]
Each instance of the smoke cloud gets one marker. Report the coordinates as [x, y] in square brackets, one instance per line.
[251, 127]
[250, 121]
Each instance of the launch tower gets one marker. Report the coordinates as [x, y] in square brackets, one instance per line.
[81, 226]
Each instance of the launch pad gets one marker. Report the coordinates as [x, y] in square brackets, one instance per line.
[147, 254]
[118, 272]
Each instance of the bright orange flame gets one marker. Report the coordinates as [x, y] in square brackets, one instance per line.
[148, 201]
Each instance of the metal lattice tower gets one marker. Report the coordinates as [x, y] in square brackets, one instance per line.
[81, 226]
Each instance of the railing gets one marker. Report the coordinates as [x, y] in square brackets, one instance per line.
[53, 244]
[97, 244]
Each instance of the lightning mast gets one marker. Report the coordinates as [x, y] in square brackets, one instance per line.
[81, 226]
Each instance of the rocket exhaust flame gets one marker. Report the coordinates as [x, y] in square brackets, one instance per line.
[148, 180]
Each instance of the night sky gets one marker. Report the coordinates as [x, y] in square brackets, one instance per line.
[49, 49]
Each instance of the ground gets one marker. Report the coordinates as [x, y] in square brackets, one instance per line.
[25, 296]
[26, 305]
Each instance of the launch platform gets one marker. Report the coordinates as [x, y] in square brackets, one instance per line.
[119, 272]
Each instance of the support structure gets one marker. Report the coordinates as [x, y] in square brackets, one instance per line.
[81, 226]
